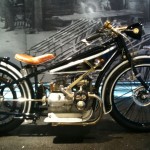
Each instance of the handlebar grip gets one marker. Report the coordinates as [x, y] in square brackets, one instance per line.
[93, 37]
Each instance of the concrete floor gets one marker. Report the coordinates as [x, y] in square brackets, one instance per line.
[106, 135]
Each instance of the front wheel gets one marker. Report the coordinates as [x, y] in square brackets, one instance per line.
[129, 99]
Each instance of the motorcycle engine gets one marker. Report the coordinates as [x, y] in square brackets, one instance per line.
[60, 103]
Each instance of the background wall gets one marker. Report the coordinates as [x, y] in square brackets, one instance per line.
[35, 20]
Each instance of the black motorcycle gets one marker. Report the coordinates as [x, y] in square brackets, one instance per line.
[73, 99]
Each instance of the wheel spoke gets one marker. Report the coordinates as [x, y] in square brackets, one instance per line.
[127, 96]
[11, 92]
[130, 108]
[120, 96]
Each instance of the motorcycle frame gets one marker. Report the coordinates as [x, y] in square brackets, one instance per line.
[68, 63]
[118, 48]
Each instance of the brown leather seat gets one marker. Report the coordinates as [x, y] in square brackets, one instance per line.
[34, 60]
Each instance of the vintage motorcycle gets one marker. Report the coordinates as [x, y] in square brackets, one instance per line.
[73, 99]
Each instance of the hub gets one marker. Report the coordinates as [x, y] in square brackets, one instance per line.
[141, 97]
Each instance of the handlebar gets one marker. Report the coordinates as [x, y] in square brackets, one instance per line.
[107, 25]
[117, 30]
[93, 37]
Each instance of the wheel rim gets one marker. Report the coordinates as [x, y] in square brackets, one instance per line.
[122, 94]
[14, 91]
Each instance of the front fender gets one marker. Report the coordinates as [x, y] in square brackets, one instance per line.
[107, 105]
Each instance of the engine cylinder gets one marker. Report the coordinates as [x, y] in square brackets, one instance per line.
[58, 100]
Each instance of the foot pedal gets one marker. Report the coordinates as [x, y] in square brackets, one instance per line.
[53, 118]
[68, 117]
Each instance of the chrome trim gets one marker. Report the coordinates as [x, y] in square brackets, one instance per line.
[71, 64]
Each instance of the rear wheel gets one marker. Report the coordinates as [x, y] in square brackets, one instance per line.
[130, 100]
[9, 94]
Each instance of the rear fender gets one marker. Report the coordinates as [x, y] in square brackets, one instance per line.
[14, 70]
[5, 59]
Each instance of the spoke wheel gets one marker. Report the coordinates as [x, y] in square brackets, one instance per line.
[130, 101]
[10, 95]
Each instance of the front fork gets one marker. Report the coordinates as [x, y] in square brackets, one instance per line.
[126, 52]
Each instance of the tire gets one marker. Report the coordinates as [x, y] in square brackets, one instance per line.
[8, 73]
[125, 96]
